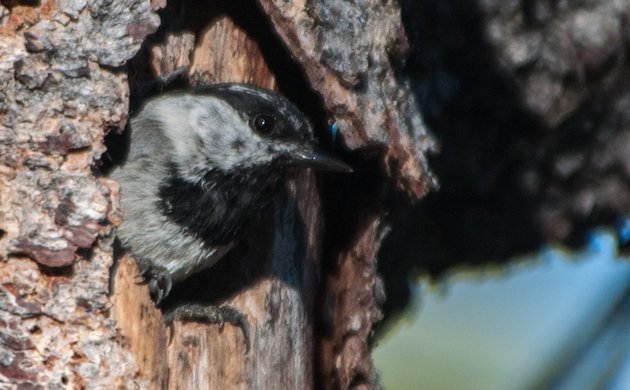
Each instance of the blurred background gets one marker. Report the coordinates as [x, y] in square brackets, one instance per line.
[552, 321]
[513, 275]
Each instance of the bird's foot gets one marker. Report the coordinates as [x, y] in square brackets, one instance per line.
[211, 314]
[159, 280]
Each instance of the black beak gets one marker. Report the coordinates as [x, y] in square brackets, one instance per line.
[320, 160]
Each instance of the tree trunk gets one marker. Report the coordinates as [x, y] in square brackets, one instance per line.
[529, 98]
[305, 276]
[59, 95]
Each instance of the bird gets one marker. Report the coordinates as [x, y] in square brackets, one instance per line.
[201, 162]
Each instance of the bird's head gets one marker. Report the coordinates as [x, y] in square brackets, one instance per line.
[234, 128]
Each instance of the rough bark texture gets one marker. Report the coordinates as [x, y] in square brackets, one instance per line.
[363, 100]
[59, 95]
[63, 89]
[529, 100]
[349, 51]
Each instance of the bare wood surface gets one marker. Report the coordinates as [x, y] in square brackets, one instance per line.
[225, 53]
[137, 318]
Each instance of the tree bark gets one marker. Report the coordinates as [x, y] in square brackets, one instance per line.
[59, 96]
[305, 276]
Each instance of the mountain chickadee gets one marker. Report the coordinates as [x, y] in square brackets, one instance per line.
[200, 163]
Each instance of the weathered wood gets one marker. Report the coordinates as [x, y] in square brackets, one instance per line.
[552, 144]
[140, 324]
[278, 303]
[349, 52]
[63, 88]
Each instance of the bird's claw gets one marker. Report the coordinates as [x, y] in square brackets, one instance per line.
[218, 315]
[159, 280]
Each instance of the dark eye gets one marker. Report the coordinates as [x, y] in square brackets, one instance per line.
[264, 124]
